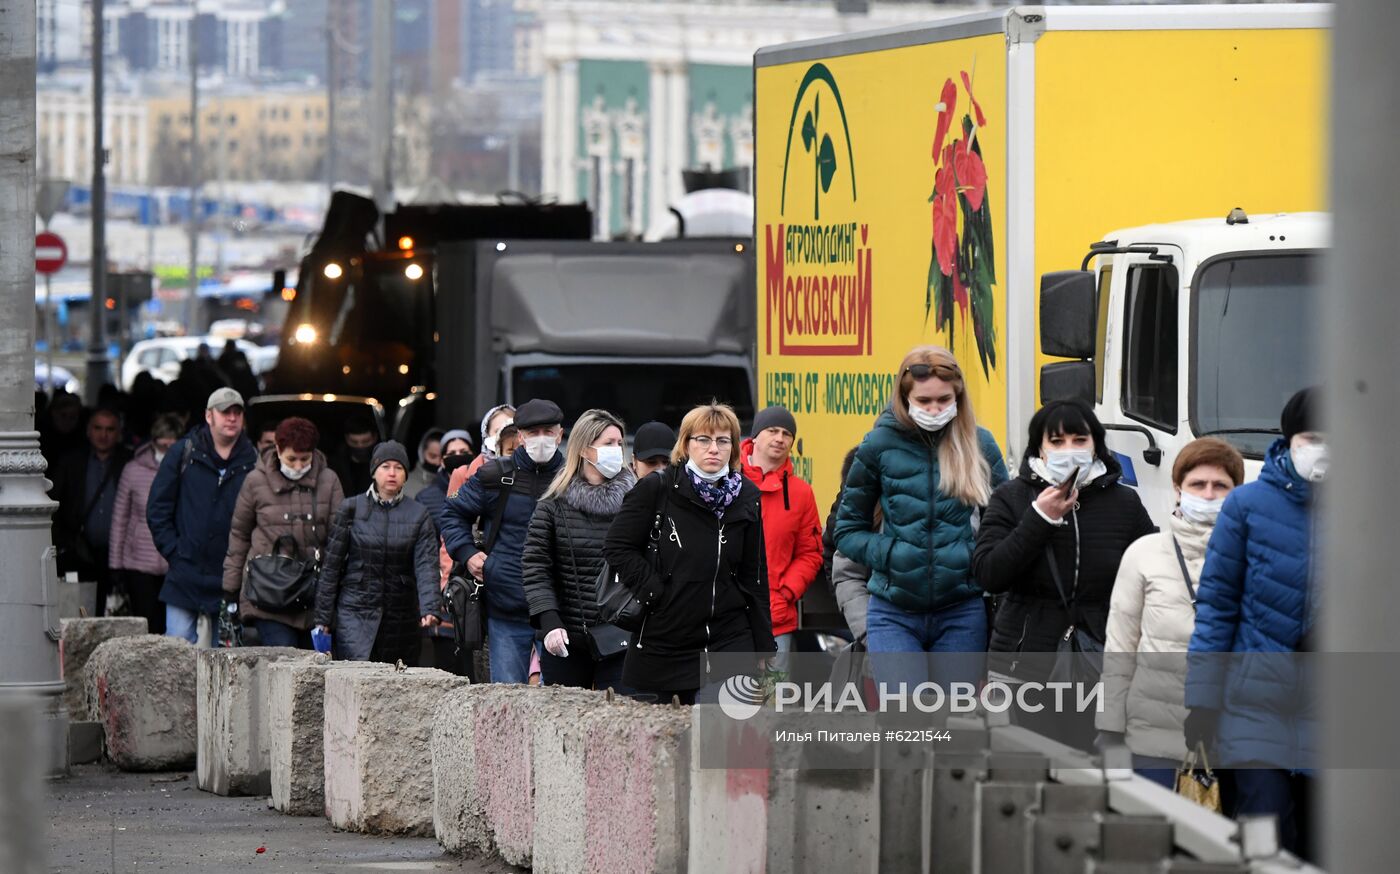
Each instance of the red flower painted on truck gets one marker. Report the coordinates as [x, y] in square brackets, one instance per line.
[962, 267]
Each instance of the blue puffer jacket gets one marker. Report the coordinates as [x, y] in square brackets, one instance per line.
[476, 500]
[190, 512]
[921, 560]
[1255, 597]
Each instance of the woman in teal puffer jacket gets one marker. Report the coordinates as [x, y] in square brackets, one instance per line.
[907, 514]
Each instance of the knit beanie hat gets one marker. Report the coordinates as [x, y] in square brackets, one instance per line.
[391, 450]
[773, 417]
[1300, 413]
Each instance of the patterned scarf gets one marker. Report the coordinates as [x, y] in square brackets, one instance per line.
[719, 494]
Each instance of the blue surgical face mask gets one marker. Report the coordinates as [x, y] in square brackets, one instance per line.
[609, 462]
[1200, 510]
[706, 475]
[1061, 463]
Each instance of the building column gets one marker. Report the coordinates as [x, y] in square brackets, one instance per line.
[657, 158]
[69, 109]
[568, 131]
[677, 138]
[549, 131]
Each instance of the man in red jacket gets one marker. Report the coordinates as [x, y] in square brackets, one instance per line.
[791, 528]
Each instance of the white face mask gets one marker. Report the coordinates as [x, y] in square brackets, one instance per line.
[1062, 463]
[934, 421]
[1311, 460]
[541, 449]
[1199, 510]
[705, 474]
[609, 461]
[295, 473]
[160, 456]
[491, 443]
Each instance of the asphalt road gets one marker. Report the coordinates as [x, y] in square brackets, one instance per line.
[103, 820]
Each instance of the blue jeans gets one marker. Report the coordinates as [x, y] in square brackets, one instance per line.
[274, 633]
[1285, 795]
[180, 622]
[1159, 770]
[509, 642]
[941, 647]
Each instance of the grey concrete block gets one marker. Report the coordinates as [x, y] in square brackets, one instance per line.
[295, 707]
[144, 689]
[503, 740]
[233, 757]
[79, 638]
[636, 785]
[555, 716]
[84, 742]
[378, 732]
[459, 800]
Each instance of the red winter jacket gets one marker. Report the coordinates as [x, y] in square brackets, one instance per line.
[792, 535]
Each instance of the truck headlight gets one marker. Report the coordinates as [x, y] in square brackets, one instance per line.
[305, 334]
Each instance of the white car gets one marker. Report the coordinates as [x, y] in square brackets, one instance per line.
[163, 355]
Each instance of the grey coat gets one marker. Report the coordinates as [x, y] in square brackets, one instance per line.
[850, 579]
[379, 578]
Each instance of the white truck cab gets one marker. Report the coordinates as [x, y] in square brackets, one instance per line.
[1184, 330]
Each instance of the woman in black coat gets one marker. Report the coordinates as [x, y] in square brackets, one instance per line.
[1030, 523]
[564, 555]
[379, 580]
[710, 593]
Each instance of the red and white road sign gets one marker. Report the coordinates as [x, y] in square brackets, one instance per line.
[50, 252]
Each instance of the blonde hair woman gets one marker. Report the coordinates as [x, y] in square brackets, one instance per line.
[927, 468]
[704, 591]
[564, 555]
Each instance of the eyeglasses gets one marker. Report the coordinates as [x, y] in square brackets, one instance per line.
[705, 440]
[924, 371]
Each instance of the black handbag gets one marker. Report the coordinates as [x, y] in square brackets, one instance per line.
[284, 583]
[280, 583]
[617, 604]
[604, 639]
[463, 596]
[1078, 654]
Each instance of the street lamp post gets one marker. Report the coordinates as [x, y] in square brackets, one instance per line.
[97, 364]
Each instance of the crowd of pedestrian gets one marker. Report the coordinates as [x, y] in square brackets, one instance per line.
[946, 566]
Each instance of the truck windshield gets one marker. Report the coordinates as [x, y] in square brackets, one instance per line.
[638, 393]
[1255, 343]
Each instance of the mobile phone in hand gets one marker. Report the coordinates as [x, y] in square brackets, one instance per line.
[1066, 488]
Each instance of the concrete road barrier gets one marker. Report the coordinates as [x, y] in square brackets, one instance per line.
[296, 726]
[459, 802]
[636, 788]
[232, 751]
[144, 689]
[558, 730]
[79, 638]
[378, 733]
[503, 741]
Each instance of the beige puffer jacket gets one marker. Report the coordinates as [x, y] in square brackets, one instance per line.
[1151, 614]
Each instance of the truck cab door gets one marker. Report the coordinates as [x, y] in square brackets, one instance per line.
[1142, 401]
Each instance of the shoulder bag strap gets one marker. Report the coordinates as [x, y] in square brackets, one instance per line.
[1185, 572]
[507, 477]
[96, 498]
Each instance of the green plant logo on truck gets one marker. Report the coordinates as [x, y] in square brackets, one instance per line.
[818, 268]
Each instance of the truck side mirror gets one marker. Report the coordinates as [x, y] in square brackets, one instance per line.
[1068, 380]
[1068, 314]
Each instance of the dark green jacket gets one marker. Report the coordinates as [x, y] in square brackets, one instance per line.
[921, 559]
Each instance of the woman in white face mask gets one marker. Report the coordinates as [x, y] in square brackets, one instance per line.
[1049, 547]
[290, 497]
[1153, 612]
[563, 557]
[906, 513]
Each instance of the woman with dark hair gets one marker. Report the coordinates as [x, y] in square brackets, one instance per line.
[1050, 544]
[906, 514]
[133, 555]
[292, 493]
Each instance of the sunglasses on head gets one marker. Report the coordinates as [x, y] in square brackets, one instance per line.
[924, 371]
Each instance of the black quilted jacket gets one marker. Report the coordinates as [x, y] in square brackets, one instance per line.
[564, 553]
[379, 578]
[1011, 561]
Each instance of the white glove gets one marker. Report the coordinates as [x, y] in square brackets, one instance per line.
[556, 643]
